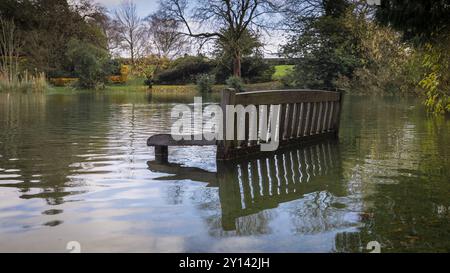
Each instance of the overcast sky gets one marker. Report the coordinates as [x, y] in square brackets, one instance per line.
[146, 7]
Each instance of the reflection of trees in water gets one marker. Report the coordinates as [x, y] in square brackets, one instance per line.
[255, 224]
[319, 212]
[398, 163]
[406, 217]
[175, 193]
[349, 242]
[45, 134]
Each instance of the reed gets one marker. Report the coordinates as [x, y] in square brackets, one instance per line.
[23, 83]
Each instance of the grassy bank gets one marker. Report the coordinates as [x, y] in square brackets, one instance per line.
[136, 85]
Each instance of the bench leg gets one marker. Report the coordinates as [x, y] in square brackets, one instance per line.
[161, 154]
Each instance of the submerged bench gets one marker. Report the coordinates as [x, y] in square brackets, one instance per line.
[305, 116]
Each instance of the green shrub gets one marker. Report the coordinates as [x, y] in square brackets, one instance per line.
[184, 70]
[257, 70]
[436, 81]
[90, 64]
[253, 70]
[115, 67]
[235, 83]
[205, 83]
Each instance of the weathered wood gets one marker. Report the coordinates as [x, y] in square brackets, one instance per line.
[330, 117]
[314, 119]
[301, 127]
[263, 123]
[309, 119]
[295, 120]
[224, 146]
[168, 140]
[324, 120]
[291, 119]
[281, 122]
[161, 154]
[319, 118]
[162, 141]
[285, 96]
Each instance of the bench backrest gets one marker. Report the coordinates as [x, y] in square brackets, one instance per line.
[304, 115]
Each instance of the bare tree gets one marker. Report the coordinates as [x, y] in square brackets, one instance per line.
[113, 33]
[165, 36]
[10, 45]
[130, 29]
[90, 10]
[227, 20]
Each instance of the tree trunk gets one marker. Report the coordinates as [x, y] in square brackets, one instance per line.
[132, 55]
[237, 64]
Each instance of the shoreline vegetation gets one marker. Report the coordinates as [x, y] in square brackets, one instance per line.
[134, 86]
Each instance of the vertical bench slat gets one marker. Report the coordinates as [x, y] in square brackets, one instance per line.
[291, 119]
[286, 121]
[224, 147]
[263, 122]
[245, 143]
[319, 117]
[330, 117]
[310, 119]
[307, 119]
[295, 120]
[324, 121]
[315, 115]
[302, 115]
[252, 143]
[236, 142]
[281, 123]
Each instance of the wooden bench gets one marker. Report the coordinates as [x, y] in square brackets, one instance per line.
[305, 115]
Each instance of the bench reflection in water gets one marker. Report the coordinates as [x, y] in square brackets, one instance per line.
[249, 186]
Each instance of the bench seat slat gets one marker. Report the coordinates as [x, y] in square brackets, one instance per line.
[167, 140]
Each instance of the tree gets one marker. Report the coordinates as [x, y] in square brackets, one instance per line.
[113, 35]
[131, 30]
[10, 46]
[90, 64]
[46, 27]
[165, 36]
[418, 19]
[323, 43]
[229, 20]
[427, 24]
[253, 67]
